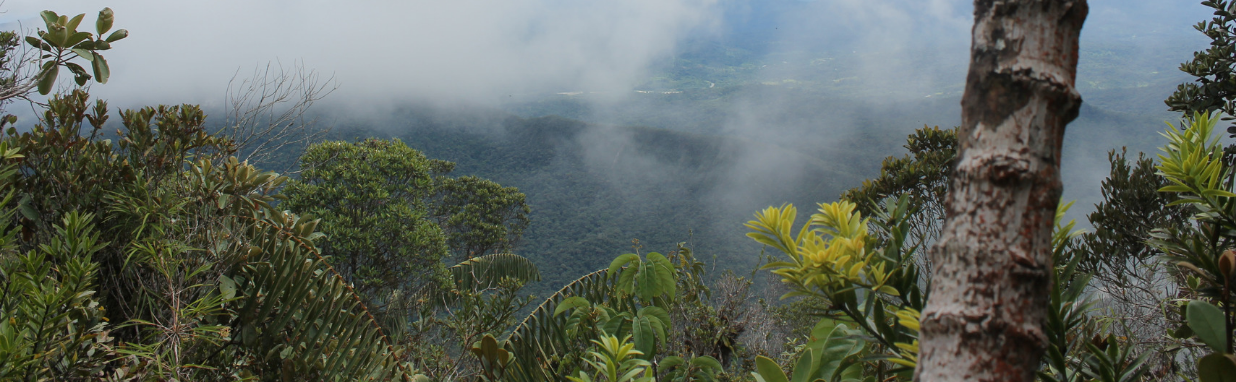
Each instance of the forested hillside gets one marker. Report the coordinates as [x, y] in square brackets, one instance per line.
[741, 203]
[593, 188]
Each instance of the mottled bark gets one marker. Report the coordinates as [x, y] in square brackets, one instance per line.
[992, 265]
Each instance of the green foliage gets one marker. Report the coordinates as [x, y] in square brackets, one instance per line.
[479, 216]
[617, 361]
[1215, 87]
[543, 344]
[834, 258]
[646, 327]
[833, 354]
[371, 194]
[922, 176]
[200, 276]
[683, 330]
[1217, 367]
[1208, 324]
[1067, 318]
[648, 279]
[493, 358]
[1194, 163]
[1108, 361]
[1132, 206]
[53, 326]
[480, 305]
[61, 43]
[701, 368]
[1071, 319]
[485, 272]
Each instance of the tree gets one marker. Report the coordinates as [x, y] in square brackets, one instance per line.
[1136, 284]
[992, 265]
[922, 176]
[480, 216]
[372, 196]
[1215, 84]
[267, 111]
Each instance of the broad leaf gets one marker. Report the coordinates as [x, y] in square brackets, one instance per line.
[101, 71]
[104, 22]
[1207, 323]
[1216, 367]
[768, 370]
[48, 79]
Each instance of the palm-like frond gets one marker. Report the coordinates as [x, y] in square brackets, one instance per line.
[540, 343]
[298, 312]
[485, 272]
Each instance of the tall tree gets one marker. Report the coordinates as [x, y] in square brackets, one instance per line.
[480, 216]
[372, 197]
[992, 264]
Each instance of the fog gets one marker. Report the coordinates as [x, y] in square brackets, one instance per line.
[830, 70]
[475, 50]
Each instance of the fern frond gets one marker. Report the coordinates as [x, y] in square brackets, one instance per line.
[540, 343]
[485, 272]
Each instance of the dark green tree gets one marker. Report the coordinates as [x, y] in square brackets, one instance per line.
[922, 175]
[479, 216]
[1132, 206]
[1214, 88]
[372, 197]
[1127, 271]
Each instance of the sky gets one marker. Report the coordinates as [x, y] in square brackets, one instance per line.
[378, 50]
[482, 50]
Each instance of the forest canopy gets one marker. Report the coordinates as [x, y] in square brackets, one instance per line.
[159, 252]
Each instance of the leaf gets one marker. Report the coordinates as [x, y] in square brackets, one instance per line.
[655, 312]
[75, 38]
[26, 207]
[73, 23]
[117, 35]
[1182, 332]
[644, 337]
[575, 302]
[1216, 367]
[768, 370]
[50, 18]
[104, 22]
[48, 79]
[1207, 323]
[707, 362]
[666, 275]
[621, 261]
[485, 272]
[227, 287]
[805, 367]
[101, 71]
[670, 362]
[34, 42]
[86, 54]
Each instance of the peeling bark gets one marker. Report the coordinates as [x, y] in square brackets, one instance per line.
[992, 264]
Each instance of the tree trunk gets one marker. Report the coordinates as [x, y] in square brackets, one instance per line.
[992, 265]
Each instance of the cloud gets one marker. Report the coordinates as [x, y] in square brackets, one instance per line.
[444, 50]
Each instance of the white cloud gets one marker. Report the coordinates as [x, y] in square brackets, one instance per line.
[186, 51]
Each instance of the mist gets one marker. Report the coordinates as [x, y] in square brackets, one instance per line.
[797, 78]
[379, 51]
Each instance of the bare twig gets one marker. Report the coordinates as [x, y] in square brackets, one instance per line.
[267, 111]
